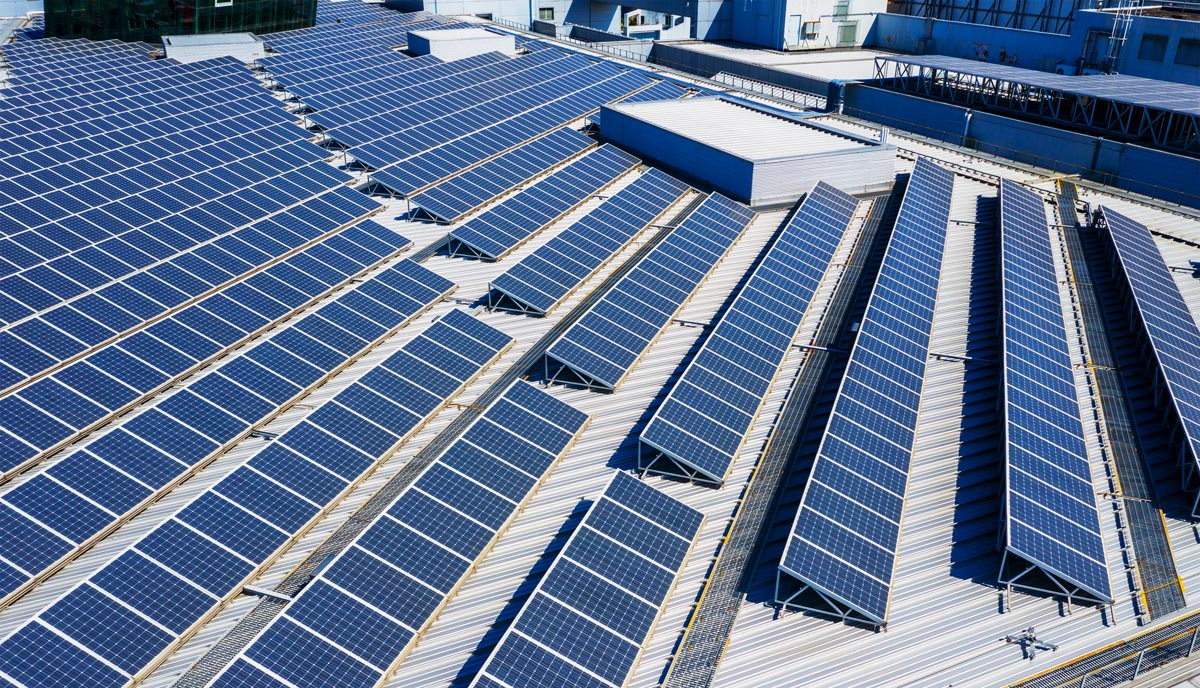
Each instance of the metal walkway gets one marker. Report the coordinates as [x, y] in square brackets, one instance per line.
[1162, 591]
[230, 645]
[703, 643]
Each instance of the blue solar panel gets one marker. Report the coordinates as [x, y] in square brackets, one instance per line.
[408, 562]
[704, 420]
[540, 281]
[606, 342]
[581, 618]
[192, 424]
[499, 230]
[175, 575]
[844, 539]
[1163, 316]
[459, 195]
[1051, 512]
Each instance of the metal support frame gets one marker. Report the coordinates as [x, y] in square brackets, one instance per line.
[562, 373]
[1018, 572]
[804, 597]
[1163, 128]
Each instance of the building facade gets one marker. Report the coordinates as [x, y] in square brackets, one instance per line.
[150, 20]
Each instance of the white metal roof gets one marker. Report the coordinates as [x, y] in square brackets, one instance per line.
[742, 131]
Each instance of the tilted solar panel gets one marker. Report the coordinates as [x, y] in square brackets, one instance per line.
[541, 280]
[601, 347]
[1051, 515]
[363, 611]
[703, 422]
[846, 532]
[586, 621]
[136, 607]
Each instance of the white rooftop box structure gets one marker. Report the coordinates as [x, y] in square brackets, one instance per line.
[745, 153]
[195, 47]
[455, 44]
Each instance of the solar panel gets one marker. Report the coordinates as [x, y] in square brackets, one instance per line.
[1164, 317]
[700, 427]
[71, 502]
[541, 280]
[586, 621]
[457, 196]
[362, 612]
[846, 532]
[1051, 515]
[201, 321]
[134, 608]
[496, 232]
[603, 345]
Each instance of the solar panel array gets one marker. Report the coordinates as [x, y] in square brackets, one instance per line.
[541, 280]
[704, 420]
[844, 539]
[50, 515]
[1165, 318]
[496, 232]
[603, 345]
[457, 196]
[134, 608]
[586, 621]
[363, 611]
[1051, 514]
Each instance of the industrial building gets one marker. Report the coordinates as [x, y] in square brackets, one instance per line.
[412, 349]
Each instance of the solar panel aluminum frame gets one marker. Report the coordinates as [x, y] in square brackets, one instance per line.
[651, 456]
[1015, 566]
[566, 373]
[459, 247]
[498, 299]
[220, 451]
[578, 528]
[141, 399]
[450, 595]
[838, 607]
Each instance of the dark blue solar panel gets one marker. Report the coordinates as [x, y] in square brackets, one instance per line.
[607, 341]
[597, 603]
[499, 230]
[424, 543]
[704, 420]
[1050, 489]
[543, 279]
[846, 532]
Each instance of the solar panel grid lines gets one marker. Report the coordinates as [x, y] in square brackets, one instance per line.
[588, 618]
[1164, 318]
[85, 321]
[1052, 519]
[421, 118]
[601, 348]
[701, 425]
[134, 610]
[79, 499]
[541, 281]
[846, 532]
[455, 197]
[358, 618]
[502, 228]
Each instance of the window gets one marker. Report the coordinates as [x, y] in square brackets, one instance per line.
[812, 30]
[848, 34]
[546, 13]
[841, 11]
[1188, 52]
[1153, 47]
